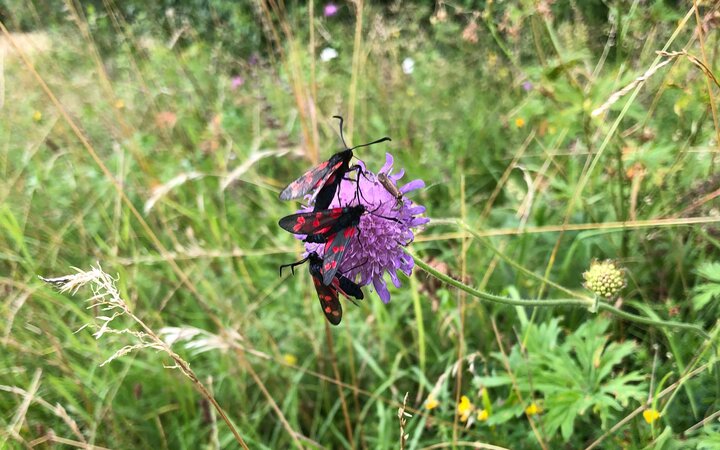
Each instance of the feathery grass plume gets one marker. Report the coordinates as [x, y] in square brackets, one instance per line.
[637, 81]
[106, 297]
[403, 415]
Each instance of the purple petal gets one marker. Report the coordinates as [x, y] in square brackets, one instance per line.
[397, 176]
[364, 278]
[381, 289]
[415, 210]
[407, 265]
[419, 221]
[395, 279]
[411, 186]
[388, 163]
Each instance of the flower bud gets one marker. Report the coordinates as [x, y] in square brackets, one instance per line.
[604, 278]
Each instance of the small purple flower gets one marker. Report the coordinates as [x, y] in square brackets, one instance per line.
[385, 229]
[236, 82]
[253, 59]
[527, 86]
[330, 10]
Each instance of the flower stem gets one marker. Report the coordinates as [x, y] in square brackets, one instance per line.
[572, 302]
[496, 298]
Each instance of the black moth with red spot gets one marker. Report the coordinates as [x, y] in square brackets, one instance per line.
[328, 295]
[334, 227]
[325, 177]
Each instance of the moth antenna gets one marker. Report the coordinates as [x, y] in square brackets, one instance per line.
[342, 136]
[384, 217]
[292, 265]
[371, 143]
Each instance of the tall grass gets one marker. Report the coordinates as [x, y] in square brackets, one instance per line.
[549, 135]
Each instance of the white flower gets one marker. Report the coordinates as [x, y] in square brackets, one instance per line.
[328, 53]
[408, 65]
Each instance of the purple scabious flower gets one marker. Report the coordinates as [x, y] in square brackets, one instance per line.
[330, 9]
[385, 229]
[236, 82]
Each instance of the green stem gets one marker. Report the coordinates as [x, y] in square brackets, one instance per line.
[602, 306]
[496, 298]
[573, 302]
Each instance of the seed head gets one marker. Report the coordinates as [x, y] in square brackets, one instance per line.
[604, 278]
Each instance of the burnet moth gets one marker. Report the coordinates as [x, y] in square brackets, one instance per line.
[328, 294]
[333, 227]
[325, 177]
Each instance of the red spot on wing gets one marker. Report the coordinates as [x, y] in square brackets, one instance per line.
[349, 232]
[299, 223]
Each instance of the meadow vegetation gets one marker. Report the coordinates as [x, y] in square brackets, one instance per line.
[145, 143]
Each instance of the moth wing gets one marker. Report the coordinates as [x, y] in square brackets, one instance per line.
[334, 252]
[315, 222]
[329, 301]
[313, 178]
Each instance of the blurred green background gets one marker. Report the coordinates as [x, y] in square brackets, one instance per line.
[152, 138]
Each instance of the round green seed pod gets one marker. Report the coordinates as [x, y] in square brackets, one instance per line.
[605, 278]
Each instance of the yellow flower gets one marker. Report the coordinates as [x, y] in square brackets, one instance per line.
[289, 359]
[651, 415]
[119, 104]
[519, 122]
[37, 116]
[431, 402]
[465, 408]
[483, 415]
[533, 409]
[491, 59]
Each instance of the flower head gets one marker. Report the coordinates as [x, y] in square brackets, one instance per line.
[604, 278]
[330, 9]
[527, 86]
[533, 409]
[408, 65]
[465, 408]
[483, 415]
[431, 402]
[651, 415]
[236, 82]
[37, 116]
[328, 54]
[385, 229]
[290, 359]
